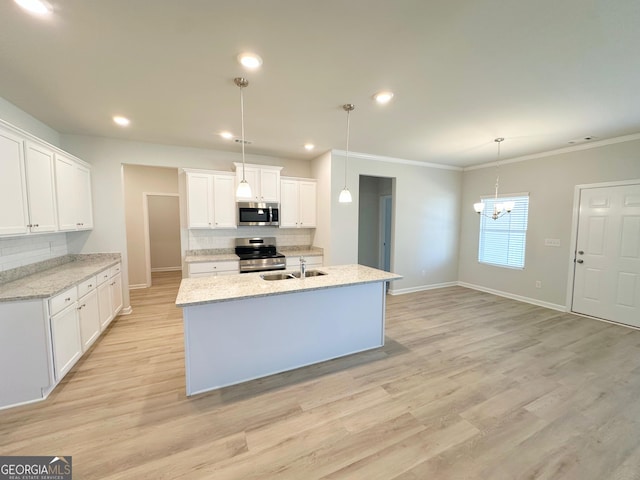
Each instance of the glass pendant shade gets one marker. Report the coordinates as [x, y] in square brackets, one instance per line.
[345, 196]
[244, 190]
[478, 207]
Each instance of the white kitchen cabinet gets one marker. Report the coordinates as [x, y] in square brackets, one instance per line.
[109, 293]
[41, 194]
[73, 193]
[105, 311]
[14, 215]
[312, 261]
[65, 337]
[209, 269]
[210, 200]
[116, 294]
[263, 180]
[298, 206]
[89, 318]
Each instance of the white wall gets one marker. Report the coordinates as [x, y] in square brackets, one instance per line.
[164, 232]
[107, 156]
[551, 182]
[321, 171]
[21, 119]
[426, 219]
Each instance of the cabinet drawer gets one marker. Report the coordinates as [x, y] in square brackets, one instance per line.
[62, 300]
[103, 276]
[86, 286]
[113, 271]
[213, 267]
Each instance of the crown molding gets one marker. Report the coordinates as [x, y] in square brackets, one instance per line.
[559, 151]
[380, 158]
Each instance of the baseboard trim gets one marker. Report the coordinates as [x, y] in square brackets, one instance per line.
[138, 286]
[520, 298]
[126, 311]
[165, 269]
[403, 291]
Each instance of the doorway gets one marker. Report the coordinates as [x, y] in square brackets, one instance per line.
[162, 228]
[606, 269]
[375, 222]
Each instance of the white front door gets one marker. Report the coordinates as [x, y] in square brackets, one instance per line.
[607, 268]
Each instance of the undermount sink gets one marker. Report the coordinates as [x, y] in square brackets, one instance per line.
[277, 276]
[309, 273]
[288, 276]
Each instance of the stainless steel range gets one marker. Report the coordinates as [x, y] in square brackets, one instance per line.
[259, 255]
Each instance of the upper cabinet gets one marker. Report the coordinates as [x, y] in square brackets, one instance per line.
[298, 206]
[73, 192]
[210, 199]
[264, 182]
[29, 189]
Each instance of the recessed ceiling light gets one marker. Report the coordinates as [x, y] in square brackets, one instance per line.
[39, 7]
[309, 146]
[122, 121]
[383, 97]
[250, 60]
[227, 135]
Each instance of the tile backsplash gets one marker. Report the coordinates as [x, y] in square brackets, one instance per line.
[24, 250]
[285, 237]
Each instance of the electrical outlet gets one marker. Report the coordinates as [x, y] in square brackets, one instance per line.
[538, 284]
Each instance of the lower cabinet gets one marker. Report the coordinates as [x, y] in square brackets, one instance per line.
[89, 312]
[209, 269]
[65, 337]
[104, 305]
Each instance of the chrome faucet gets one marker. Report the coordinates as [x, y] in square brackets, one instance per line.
[303, 267]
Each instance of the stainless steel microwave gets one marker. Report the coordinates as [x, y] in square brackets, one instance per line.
[253, 213]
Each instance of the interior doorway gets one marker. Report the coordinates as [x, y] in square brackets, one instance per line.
[375, 222]
[606, 264]
[162, 228]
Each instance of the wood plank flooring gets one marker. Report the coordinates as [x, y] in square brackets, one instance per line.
[468, 386]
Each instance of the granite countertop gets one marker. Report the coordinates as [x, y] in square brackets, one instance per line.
[220, 257]
[200, 291]
[301, 251]
[49, 282]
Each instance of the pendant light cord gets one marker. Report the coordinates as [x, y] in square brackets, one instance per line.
[347, 159]
[495, 202]
[242, 128]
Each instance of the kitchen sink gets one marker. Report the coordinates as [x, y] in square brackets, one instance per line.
[277, 276]
[309, 273]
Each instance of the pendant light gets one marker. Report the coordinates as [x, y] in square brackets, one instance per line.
[244, 189]
[345, 194]
[499, 209]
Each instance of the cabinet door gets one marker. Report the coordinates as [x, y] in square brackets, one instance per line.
[307, 205]
[65, 194]
[269, 185]
[89, 319]
[65, 336]
[224, 204]
[289, 204]
[39, 161]
[199, 200]
[116, 294]
[13, 193]
[104, 304]
[84, 206]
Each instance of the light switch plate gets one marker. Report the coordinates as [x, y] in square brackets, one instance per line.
[551, 242]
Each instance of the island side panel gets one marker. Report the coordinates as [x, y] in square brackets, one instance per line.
[235, 341]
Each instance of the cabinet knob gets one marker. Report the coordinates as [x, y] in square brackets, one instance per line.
[29, 226]
[89, 286]
[68, 299]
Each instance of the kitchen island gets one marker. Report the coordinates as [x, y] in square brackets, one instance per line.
[242, 327]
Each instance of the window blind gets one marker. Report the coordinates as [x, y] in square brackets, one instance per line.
[503, 241]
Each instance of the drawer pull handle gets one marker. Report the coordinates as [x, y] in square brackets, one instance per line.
[68, 299]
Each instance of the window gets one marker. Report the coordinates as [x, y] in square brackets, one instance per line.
[503, 241]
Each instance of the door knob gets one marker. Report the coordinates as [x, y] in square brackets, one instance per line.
[580, 252]
[580, 260]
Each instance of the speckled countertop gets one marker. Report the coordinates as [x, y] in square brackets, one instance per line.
[52, 281]
[200, 291]
[222, 254]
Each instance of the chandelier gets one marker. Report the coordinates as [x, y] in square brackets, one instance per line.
[499, 209]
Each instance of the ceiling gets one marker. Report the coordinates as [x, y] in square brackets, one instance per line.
[539, 73]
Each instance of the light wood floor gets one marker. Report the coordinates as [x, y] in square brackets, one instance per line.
[468, 386]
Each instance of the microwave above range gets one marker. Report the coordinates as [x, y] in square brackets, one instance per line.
[261, 214]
